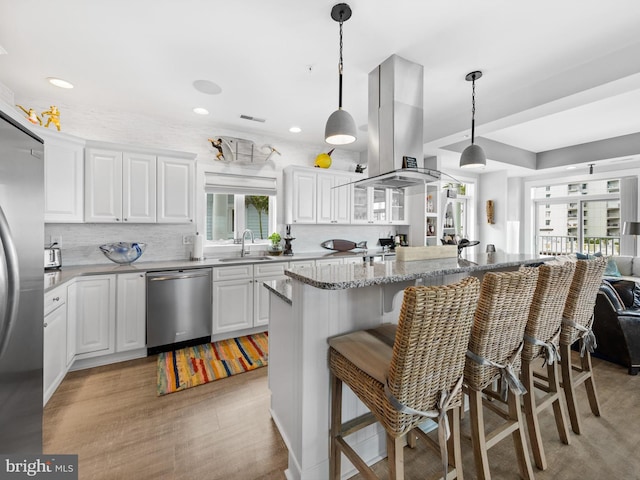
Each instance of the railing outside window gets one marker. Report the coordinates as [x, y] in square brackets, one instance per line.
[563, 245]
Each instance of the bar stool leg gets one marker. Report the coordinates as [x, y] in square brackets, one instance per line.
[558, 406]
[589, 383]
[530, 412]
[519, 440]
[478, 437]
[395, 457]
[567, 386]
[336, 424]
[454, 446]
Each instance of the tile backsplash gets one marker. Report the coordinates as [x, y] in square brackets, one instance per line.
[80, 242]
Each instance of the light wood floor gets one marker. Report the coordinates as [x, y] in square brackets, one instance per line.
[111, 417]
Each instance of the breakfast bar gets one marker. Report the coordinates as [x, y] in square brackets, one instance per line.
[315, 304]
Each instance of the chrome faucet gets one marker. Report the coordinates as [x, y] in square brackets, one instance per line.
[244, 252]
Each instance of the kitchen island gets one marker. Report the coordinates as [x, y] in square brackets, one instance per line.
[318, 303]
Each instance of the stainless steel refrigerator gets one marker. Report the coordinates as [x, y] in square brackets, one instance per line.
[21, 287]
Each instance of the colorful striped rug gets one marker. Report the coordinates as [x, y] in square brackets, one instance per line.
[193, 366]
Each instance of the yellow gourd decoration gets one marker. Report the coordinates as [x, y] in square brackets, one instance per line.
[324, 159]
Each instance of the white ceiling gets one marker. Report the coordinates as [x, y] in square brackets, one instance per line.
[556, 73]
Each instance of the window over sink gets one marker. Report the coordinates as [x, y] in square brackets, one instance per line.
[235, 203]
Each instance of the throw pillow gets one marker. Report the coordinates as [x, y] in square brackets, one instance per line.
[625, 290]
[611, 270]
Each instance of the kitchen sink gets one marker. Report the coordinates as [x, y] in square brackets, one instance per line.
[249, 258]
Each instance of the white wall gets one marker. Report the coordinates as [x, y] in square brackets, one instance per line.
[493, 186]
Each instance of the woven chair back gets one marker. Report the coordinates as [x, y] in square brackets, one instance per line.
[545, 314]
[499, 323]
[582, 297]
[431, 341]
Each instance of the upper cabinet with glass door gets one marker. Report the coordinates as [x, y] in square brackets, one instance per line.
[379, 206]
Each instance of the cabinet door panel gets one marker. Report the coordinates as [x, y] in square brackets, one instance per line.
[54, 350]
[303, 197]
[131, 312]
[63, 182]
[95, 315]
[139, 188]
[325, 200]
[341, 200]
[176, 180]
[232, 305]
[103, 186]
[261, 298]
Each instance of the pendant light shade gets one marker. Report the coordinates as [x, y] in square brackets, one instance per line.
[340, 128]
[473, 156]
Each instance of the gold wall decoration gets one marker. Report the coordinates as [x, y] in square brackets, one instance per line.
[490, 218]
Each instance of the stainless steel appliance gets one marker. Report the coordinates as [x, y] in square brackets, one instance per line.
[21, 287]
[52, 257]
[179, 307]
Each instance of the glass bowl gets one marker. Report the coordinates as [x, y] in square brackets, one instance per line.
[123, 253]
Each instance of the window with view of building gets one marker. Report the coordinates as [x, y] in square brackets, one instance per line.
[589, 224]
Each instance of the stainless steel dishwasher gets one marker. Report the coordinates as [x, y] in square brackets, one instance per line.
[179, 306]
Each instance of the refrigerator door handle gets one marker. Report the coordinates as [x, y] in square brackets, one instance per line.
[9, 285]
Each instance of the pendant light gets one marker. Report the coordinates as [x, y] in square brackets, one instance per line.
[473, 156]
[340, 128]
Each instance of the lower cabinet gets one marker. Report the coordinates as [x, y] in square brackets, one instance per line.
[131, 312]
[240, 301]
[92, 306]
[55, 341]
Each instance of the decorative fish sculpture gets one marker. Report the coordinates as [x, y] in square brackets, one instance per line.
[342, 245]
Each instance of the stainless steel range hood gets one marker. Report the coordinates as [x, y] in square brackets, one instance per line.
[395, 125]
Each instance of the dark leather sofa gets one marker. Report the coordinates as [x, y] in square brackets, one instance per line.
[616, 324]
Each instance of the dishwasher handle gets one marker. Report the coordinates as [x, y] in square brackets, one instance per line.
[161, 276]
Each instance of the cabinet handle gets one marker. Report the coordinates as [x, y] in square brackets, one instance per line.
[45, 324]
[117, 219]
[126, 219]
[56, 299]
[191, 220]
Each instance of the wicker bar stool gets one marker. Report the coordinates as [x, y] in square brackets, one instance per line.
[541, 339]
[406, 374]
[576, 326]
[494, 354]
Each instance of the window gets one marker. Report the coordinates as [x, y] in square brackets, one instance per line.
[235, 203]
[589, 225]
[228, 215]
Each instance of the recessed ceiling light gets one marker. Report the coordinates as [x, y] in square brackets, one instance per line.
[295, 129]
[201, 111]
[205, 86]
[571, 167]
[58, 82]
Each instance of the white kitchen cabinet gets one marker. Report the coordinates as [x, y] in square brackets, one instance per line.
[103, 186]
[63, 179]
[176, 185]
[300, 194]
[329, 261]
[232, 305]
[130, 312]
[120, 186]
[138, 187]
[92, 305]
[379, 206]
[334, 198]
[318, 196]
[240, 301]
[55, 341]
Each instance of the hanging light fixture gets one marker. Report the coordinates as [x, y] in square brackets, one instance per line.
[340, 128]
[473, 156]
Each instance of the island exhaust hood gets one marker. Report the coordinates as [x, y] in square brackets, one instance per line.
[395, 124]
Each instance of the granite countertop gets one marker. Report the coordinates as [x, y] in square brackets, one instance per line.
[282, 288]
[54, 278]
[340, 277]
